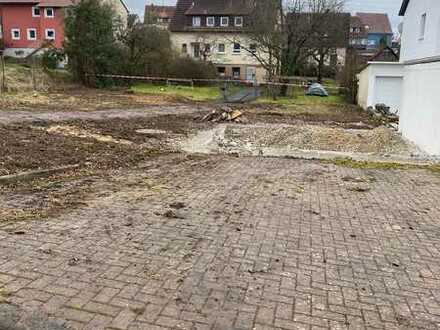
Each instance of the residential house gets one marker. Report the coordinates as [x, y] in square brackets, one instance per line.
[30, 25]
[215, 31]
[159, 15]
[378, 29]
[420, 56]
[371, 33]
[358, 33]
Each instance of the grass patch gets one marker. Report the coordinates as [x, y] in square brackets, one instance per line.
[302, 100]
[213, 93]
[351, 163]
[198, 94]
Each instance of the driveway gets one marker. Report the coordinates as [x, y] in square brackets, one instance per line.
[222, 242]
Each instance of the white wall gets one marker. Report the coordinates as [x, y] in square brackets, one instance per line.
[368, 82]
[420, 117]
[414, 47]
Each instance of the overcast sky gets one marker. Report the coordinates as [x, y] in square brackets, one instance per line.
[379, 6]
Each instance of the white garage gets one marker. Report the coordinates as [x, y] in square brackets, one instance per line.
[388, 90]
[381, 82]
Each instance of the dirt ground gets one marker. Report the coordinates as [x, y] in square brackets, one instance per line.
[145, 235]
[109, 132]
[81, 99]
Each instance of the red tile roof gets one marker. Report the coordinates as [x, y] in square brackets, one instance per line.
[41, 3]
[160, 11]
[377, 23]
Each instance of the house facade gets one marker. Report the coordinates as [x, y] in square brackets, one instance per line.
[371, 33]
[420, 56]
[28, 26]
[215, 31]
[159, 15]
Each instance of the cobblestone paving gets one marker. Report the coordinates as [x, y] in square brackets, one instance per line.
[260, 244]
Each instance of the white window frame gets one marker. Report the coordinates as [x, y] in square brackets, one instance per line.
[33, 11]
[46, 10]
[227, 21]
[224, 48]
[13, 34]
[422, 27]
[234, 50]
[196, 21]
[235, 21]
[29, 34]
[213, 21]
[46, 34]
[253, 48]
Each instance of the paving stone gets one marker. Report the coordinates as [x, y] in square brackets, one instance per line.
[261, 247]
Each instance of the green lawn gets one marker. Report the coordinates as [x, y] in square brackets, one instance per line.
[204, 94]
[194, 94]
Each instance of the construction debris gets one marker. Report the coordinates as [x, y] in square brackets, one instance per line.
[224, 114]
[383, 111]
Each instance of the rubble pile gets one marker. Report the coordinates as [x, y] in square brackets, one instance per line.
[383, 111]
[224, 114]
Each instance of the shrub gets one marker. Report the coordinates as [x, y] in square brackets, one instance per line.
[185, 67]
[51, 58]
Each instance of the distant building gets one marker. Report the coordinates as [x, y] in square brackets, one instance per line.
[371, 35]
[30, 25]
[159, 15]
[377, 28]
[215, 31]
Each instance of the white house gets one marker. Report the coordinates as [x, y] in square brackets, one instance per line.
[215, 31]
[420, 114]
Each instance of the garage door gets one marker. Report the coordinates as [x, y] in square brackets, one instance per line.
[388, 90]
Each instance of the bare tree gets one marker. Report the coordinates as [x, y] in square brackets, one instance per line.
[286, 33]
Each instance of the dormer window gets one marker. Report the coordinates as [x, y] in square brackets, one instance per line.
[197, 21]
[210, 21]
[224, 21]
[238, 21]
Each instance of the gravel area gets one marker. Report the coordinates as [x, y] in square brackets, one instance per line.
[380, 140]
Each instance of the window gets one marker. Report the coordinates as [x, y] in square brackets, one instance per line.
[210, 21]
[207, 48]
[15, 34]
[236, 73]
[422, 26]
[221, 48]
[50, 34]
[197, 21]
[221, 70]
[253, 48]
[224, 21]
[238, 21]
[32, 34]
[35, 12]
[237, 48]
[49, 12]
[196, 48]
[184, 49]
